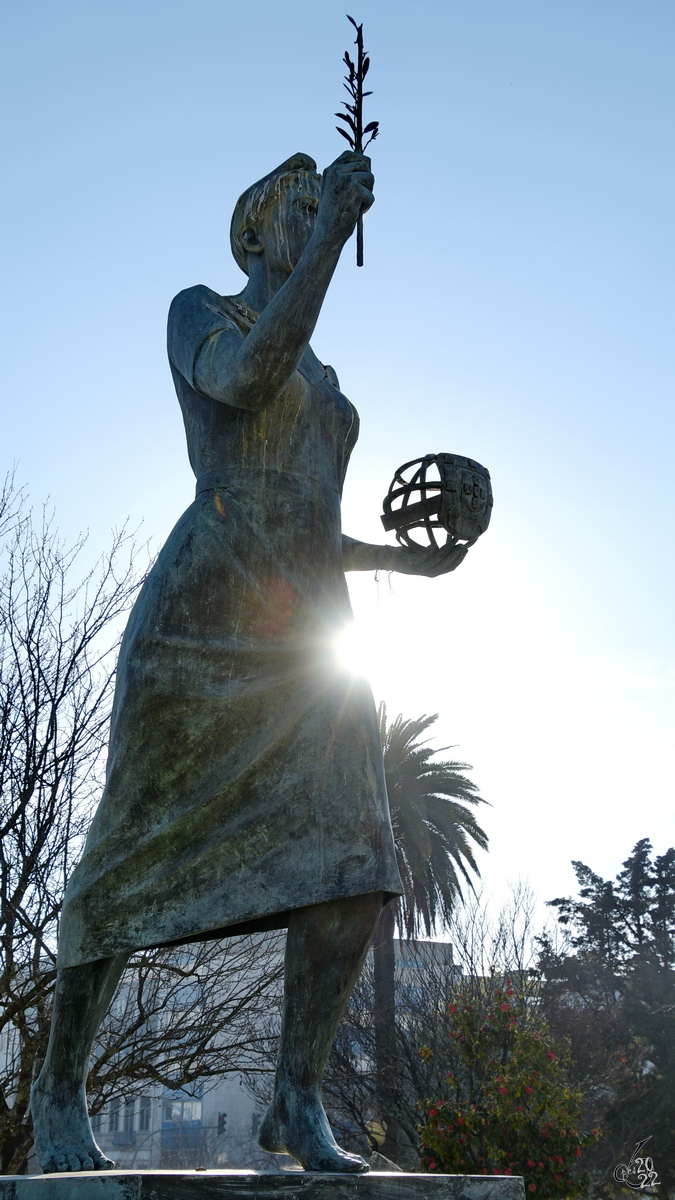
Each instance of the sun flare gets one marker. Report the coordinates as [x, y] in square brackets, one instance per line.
[356, 650]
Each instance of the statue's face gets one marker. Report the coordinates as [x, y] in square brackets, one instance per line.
[290, 223]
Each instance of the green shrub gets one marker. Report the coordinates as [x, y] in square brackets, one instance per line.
[509, 1109]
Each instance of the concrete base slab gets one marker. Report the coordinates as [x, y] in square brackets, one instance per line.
[258, 1185]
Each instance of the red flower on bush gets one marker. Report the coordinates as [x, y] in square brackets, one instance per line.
[502, 1091]
[528, 1090]
[531, 1187]
[505, 1008]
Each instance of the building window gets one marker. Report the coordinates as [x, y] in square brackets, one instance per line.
[181, 1125]
[114, 1115]
[129, 1116]
[144, 1111]
[96, 1122]
[181, 1112]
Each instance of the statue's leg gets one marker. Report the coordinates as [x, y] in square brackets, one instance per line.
[62, 1132]
[325, 949]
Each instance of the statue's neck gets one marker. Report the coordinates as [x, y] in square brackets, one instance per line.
[264, 282]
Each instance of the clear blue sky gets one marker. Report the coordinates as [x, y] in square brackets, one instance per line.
[516, 305]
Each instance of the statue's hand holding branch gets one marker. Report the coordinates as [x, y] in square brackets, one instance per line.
[251, 374]
[346, 192]
[362, 556]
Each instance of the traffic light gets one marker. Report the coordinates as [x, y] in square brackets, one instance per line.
[222, 1123]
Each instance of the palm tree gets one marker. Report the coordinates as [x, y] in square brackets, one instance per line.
[433, 833]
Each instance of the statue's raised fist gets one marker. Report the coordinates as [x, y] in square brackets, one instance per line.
[347, 190]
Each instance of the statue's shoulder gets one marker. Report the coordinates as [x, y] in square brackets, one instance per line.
[194, 315]
[194, 301]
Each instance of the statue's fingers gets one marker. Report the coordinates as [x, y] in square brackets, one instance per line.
[351, 159]
[367, 198]
[448, 559]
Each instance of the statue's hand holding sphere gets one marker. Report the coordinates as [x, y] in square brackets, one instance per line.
[430, 563]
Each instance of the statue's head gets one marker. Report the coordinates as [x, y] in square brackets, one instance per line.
[277, 215]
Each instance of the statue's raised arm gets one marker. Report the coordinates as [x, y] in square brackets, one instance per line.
[288, 232]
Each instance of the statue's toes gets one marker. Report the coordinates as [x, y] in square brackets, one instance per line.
[61, 1162]
[101, 1163]
[48, 1167]
[356, 1164]
[352, 1163]
[337, 1161]
[86, 1163]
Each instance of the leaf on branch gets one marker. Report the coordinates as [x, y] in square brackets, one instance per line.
[372, 127]
[366, 64]
[357, 27]
[348, 120]
[345, 135]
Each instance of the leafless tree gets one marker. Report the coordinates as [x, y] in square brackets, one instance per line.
[179, 1015]
[186, 1015]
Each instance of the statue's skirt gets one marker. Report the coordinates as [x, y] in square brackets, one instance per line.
[245, 775]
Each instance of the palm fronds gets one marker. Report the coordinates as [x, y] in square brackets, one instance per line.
[434, 831]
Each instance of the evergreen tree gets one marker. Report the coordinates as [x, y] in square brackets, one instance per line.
[614, 995]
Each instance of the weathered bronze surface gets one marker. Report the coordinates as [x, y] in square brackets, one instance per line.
[440, 491]
[245, 773]
[245, 786]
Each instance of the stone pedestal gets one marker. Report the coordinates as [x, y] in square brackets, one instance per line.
[257, 1185]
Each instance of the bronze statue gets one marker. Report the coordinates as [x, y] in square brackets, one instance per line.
[245, 786]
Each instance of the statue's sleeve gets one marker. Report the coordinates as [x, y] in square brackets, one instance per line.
[194, 317]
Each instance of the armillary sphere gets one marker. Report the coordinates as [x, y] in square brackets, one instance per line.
[439, 491]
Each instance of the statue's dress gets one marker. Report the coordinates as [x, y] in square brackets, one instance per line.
[244, 774]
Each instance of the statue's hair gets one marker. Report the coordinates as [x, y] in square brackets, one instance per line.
[252, 205]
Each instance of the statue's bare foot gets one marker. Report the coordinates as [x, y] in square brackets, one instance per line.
[296, 1124]
[62, 1132]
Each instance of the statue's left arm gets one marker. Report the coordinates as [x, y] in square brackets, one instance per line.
[363, 556]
